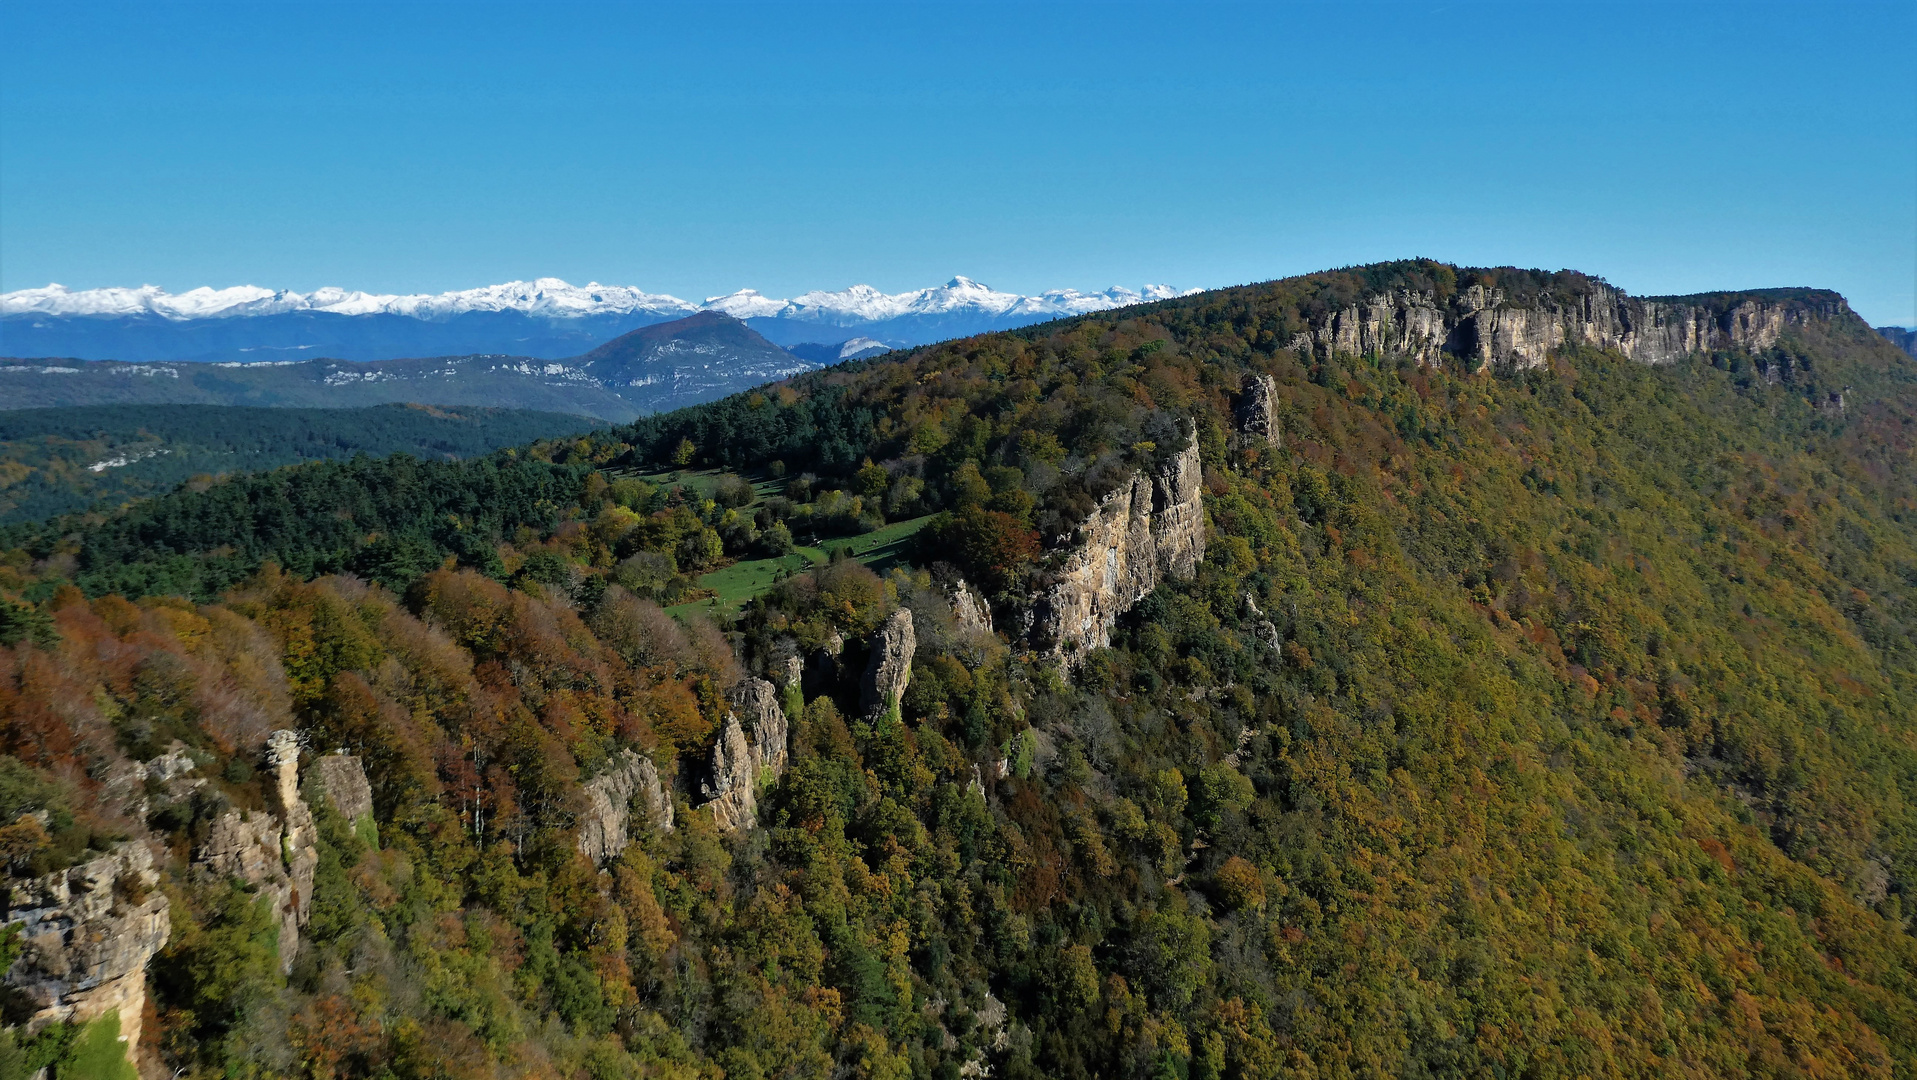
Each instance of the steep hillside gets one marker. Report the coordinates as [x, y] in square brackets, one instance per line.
[656, 367]
[1404, 670]
[56, 461]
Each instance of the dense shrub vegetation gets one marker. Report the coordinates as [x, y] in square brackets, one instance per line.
[1541, 723]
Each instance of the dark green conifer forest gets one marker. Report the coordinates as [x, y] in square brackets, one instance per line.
[1544, 722]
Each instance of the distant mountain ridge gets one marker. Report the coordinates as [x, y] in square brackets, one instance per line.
[657, 367]
[1904, 338]
[547, 319]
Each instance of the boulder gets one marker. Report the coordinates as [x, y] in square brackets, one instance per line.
[890, 666]
[86, 934]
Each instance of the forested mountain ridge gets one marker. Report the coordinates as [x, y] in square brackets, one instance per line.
[56, 461]
[697, 358]
[1532, 710]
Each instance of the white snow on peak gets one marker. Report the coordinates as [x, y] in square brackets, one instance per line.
[553, 298]
[547, 297]
[859, 345]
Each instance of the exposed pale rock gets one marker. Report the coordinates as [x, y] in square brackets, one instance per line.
[344, 781]
[176, 762]
[246, 845]
[1144, 531]
[1479, 325]
[276, 854]
[890, 666]
[752, 748]
[299, 844]
[86, 934]
[605, 830]
[1258, 409]
[969, 609]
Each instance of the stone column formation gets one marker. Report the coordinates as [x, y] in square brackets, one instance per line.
[276, 853]
[890, 666]
[751, 750]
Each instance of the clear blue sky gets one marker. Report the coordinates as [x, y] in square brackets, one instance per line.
[696, 150]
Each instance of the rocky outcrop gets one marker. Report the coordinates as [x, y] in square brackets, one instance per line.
[969, 609]
[275, 853]
[890, 666]
[604, 832]
[1905, 339]
[1479, 324]
[1143, 532]
[1258, 410]
[751, 750]
[344, 781]
[86, 934]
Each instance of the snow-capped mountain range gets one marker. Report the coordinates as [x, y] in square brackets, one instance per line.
[553, 298]
[546, 318]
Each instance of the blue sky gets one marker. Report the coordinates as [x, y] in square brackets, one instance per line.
[700, 149]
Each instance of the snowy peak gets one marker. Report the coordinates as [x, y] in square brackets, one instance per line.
[547, 297]
[553, 298]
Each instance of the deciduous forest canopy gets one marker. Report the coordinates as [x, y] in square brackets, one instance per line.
[1548, 720]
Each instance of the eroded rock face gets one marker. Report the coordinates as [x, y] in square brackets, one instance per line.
[275, 853]
[1149, 529]
[605, 830]
[969, 609]
[86, 935]
[1479, 325]
[344, 781]
[890, 668]
[1258, 409]
[299, 843]
[752, 748]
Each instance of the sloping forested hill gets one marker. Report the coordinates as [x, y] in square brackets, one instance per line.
[1532, 711]
[57, 461]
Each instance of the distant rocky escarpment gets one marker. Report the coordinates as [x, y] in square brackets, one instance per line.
[1484, 325]
[1904, 338]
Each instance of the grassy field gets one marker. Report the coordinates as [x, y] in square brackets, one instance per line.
[739, 583]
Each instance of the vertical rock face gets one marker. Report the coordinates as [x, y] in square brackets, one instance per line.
[1151, 528]
[300, 842]
[86, 934]
[1258, 409]
[276, 854]
[1481, 326]
[605, 830]
[969, 609]
[345, 784]
[751, 748]
[890, 667]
